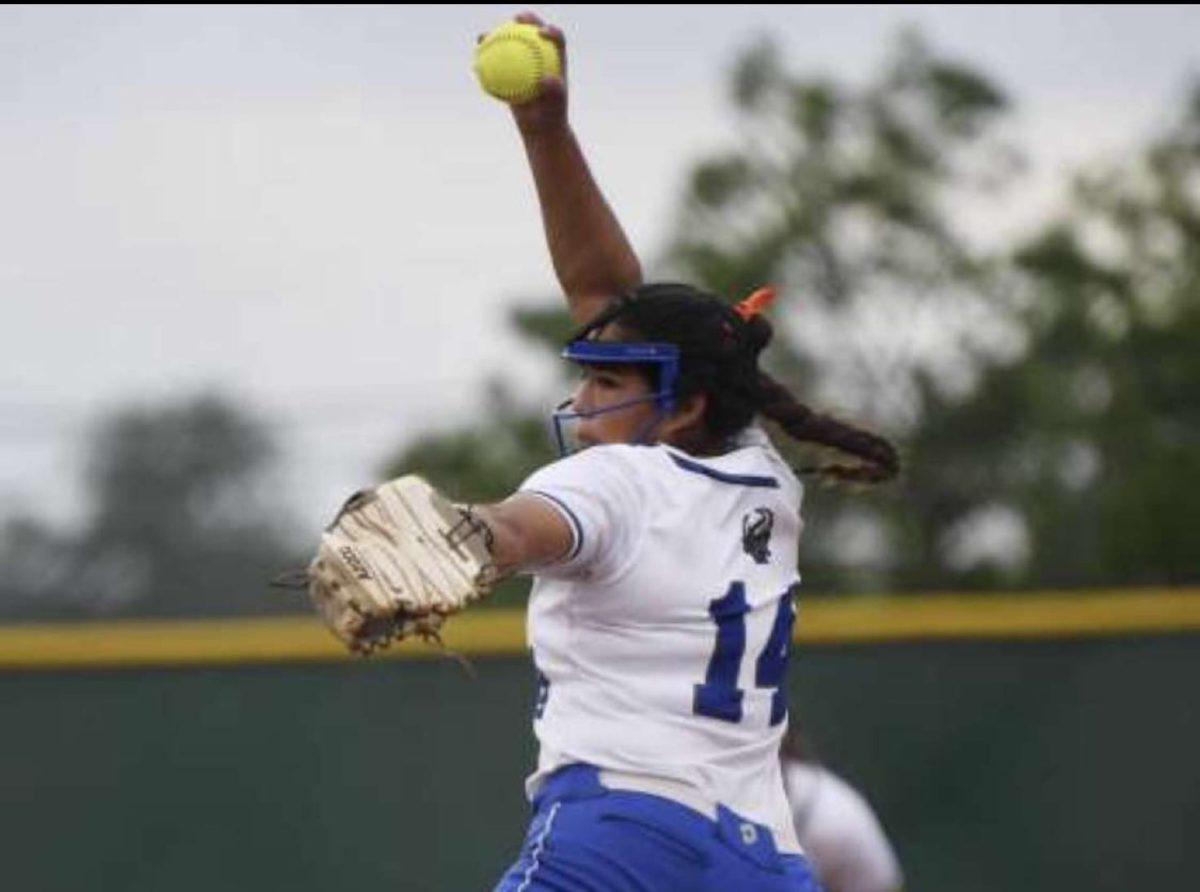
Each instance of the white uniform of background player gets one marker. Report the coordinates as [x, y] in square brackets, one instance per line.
[663, 637]
[839, 831]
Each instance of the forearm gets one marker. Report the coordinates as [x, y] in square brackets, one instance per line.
[592, 256]
[525, 533]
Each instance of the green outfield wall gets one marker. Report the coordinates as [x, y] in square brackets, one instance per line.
[1063, 761]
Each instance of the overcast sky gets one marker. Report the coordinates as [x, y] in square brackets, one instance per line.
[315, 209]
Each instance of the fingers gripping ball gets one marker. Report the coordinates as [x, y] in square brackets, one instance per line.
[397, 561]
[511, 61]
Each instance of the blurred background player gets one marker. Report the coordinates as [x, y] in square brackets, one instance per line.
[835, 825]
[664, 556]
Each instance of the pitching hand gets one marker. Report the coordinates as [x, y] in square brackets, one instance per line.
[549, 109]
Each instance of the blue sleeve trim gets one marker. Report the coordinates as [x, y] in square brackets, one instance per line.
[574, 521]
[737, 479]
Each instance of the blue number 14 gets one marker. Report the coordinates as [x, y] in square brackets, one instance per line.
[719, 697]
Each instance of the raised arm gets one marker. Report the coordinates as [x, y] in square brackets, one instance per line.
[592, 257]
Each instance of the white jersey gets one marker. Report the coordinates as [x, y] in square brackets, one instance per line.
[662, 638]
[839, 832]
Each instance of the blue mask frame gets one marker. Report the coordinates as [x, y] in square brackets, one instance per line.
[665, 356]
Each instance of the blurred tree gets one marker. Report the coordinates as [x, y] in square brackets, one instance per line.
[183, 521]
[486, 461]
[1087, 449]
[842, 197]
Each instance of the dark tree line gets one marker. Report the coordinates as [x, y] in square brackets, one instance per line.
[182, 520]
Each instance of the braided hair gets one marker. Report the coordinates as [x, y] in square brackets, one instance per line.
[719, 353]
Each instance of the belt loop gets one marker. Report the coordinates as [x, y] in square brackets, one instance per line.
[571, 782]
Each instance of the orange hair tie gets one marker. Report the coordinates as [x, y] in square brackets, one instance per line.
[754, 304]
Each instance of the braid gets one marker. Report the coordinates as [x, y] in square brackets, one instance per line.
[802, 423]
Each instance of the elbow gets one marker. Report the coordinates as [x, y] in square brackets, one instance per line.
[603, 281]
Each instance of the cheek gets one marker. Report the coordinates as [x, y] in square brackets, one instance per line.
[646, 414]
[632, 420]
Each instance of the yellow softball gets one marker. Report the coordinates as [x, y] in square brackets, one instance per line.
[511, 61]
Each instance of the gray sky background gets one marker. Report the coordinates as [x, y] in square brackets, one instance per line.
[234, 197]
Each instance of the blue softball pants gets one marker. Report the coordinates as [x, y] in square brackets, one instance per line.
[586, 838]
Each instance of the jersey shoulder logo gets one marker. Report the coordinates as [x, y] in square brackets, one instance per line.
[756, 534]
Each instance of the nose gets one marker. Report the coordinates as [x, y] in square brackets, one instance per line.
[581, 398]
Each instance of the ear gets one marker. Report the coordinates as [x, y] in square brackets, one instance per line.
[686, 424]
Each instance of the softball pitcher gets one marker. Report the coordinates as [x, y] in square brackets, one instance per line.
[663, 547]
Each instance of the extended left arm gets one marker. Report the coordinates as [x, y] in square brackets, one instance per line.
[526, 533]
